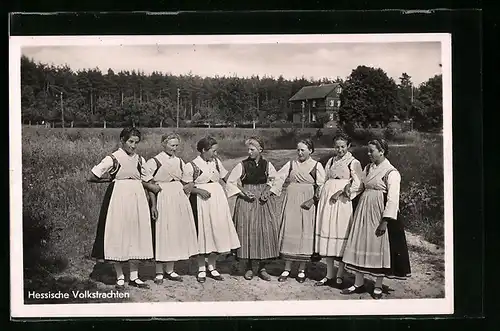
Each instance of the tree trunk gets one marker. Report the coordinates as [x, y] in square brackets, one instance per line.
[91, 104]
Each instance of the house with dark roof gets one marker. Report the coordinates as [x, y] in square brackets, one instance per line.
[311, 101]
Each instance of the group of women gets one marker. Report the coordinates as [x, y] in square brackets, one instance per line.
[189, 203]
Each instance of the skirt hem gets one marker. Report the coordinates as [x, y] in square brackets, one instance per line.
[377, 272]
[296, 257]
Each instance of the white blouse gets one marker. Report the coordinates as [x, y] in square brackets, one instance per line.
[301, 173]
[128, 167]
[234, 179]
[171, 167]
[346, 167]
[374, 180]
[208, 169]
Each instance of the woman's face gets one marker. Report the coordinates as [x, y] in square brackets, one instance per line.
[303, 152]
[130, 144]
[171, 146]
[253, 152]
[375, 154]
[340, 147]
[211, 153]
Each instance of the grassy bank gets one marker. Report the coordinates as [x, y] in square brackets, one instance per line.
[60, 209]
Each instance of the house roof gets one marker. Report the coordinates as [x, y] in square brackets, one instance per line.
[313, 92]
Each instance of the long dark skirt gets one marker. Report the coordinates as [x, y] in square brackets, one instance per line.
[400, 261]
[257, 226]
[98, 248]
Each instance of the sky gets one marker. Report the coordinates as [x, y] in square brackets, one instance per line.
[420, 60]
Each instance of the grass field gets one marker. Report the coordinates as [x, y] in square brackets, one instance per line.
[60, 209]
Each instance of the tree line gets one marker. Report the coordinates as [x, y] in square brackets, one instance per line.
[90, 97]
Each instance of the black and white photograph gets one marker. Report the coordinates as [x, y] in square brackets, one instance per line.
[231, 175]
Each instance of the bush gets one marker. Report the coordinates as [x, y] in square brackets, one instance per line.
[392, 131]
[422, 210]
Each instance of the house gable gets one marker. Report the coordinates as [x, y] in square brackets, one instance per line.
[315, 92]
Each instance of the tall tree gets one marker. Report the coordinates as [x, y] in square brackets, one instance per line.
[427, 110]
[369, 97]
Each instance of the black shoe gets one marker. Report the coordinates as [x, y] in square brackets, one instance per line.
[218, 277]
[324, 282]
[301, 279]
[264, 275]
[120, 287]
[201, 279]
[377, 296]
[283, 278]
[173, 278]
[134, 283]
[248, 275]
[354, 290]
[339, 283]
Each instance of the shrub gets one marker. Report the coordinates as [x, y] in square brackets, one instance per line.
[392, 131]
[422, 210]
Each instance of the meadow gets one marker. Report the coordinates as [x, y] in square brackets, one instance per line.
[60, 208]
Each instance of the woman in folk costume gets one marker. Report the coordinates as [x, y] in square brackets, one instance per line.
[216, 232]
[334, 216]
[298, 213]
[124, 229]
[175, 232]
[255, 210]
[377, 241]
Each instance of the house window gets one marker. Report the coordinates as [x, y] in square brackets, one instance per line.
[332, 103]
[314, 103]
[339, 90]
[303, 104]
[313, 117]
[331, 117]
[338, 103]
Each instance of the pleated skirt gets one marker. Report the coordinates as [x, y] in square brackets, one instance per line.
[333, 220]
[297, 224]
[386, 255]
[257, 226]
[175, 232]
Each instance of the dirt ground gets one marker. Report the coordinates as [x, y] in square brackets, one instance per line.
[427, 280]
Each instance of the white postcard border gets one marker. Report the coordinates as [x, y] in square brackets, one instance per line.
[194, 309]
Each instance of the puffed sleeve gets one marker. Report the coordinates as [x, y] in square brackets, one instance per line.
[273, 179]
[187, 173]
[151, 166]
[222, 170]
[327, 167]
[320, 178]
[280, 178]
[356, 186]
[232, 181]
[146, 175]
[393, 186]
[103, 167]
[320, 174]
